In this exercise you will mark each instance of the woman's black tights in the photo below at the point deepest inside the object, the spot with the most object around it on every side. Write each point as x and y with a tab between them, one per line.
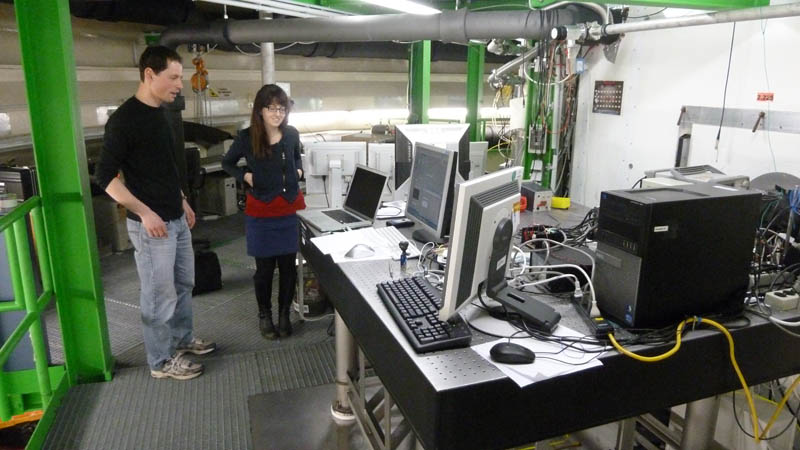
262	279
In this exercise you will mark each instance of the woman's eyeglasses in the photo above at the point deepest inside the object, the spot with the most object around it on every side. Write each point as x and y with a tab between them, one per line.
276	109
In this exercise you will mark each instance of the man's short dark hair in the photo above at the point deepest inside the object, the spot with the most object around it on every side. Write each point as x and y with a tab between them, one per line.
156	58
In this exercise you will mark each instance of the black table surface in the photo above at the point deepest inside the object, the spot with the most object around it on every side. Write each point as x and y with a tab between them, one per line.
454	399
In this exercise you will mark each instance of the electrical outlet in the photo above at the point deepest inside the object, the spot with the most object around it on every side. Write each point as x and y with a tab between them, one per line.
782	300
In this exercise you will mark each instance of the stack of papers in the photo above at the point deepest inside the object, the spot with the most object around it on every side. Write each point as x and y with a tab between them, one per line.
552	359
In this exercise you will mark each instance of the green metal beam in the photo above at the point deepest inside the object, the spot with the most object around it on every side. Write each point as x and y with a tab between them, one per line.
45	34
419	80
530	94
476	55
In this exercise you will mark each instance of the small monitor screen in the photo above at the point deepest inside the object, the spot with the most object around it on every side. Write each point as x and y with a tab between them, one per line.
430	176
365	191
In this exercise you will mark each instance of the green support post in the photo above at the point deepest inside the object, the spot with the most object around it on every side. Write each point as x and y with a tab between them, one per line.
45	35
530	94
476	55
419	79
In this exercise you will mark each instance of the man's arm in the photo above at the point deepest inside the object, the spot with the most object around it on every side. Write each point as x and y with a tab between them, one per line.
151	221
189	212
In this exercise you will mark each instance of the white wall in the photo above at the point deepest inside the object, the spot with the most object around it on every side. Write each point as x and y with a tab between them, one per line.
666	69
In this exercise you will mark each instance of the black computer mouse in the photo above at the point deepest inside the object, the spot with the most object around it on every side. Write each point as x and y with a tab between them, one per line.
510	353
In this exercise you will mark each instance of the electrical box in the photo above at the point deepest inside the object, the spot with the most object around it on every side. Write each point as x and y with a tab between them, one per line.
218	195
539	198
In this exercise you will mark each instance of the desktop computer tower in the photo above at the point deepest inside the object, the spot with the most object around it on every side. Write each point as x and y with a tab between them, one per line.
218	195
668	253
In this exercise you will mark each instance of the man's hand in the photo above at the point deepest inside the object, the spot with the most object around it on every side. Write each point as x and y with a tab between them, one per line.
187	210
248	178
153	224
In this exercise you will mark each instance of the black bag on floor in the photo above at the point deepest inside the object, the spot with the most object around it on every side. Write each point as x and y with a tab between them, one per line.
207	271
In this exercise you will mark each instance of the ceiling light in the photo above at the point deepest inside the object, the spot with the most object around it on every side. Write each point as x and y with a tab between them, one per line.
405	6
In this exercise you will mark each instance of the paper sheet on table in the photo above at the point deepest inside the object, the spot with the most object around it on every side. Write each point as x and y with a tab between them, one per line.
337	244
542	367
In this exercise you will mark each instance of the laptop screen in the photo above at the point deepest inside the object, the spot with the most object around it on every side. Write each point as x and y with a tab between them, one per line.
365	192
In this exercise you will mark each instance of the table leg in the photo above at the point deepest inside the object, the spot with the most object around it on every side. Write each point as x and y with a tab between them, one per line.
300	291
700	423
345	355
625	434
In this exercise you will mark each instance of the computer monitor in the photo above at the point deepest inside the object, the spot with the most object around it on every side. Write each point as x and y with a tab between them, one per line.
381	157
453	137
320	154
480	205
478	152
430	192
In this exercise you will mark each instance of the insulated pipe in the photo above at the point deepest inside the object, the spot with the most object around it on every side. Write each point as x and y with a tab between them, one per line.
595	31
448	26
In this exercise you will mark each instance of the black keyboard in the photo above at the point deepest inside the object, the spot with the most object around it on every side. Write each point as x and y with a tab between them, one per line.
341	216
414	305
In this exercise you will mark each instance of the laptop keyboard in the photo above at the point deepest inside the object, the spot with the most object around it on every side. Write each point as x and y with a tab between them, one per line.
342	216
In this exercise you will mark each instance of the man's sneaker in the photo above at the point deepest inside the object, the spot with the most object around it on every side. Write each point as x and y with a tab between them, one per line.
197	346
187	363
173	368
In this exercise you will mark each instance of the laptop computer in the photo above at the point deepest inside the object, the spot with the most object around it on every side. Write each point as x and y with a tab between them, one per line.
360	205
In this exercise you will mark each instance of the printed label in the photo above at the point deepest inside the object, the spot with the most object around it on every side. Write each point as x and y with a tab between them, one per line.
661	229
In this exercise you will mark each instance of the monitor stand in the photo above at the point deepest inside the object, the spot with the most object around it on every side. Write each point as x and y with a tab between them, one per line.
426	236
542	316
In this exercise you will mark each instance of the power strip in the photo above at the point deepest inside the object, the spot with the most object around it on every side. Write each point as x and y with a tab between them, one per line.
766	279
783	300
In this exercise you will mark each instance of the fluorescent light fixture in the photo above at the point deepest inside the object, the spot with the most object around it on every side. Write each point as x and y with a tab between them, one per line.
405	6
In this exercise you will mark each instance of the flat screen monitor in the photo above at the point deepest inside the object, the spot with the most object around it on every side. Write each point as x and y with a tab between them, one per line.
381	157
453	137
430	192
479	206
320	154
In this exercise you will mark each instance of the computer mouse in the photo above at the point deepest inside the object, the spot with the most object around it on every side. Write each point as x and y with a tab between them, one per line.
510	353
360	251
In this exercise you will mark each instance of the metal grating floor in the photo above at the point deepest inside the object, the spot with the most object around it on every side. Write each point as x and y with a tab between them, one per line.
135	411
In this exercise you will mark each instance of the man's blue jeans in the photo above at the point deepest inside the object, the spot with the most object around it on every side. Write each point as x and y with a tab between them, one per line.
166	273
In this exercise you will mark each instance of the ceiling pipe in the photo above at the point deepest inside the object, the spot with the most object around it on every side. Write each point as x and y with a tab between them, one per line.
596	31
449	26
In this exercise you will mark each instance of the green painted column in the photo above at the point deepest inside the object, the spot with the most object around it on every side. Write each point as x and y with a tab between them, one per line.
530	109
476	55
419	80
45	34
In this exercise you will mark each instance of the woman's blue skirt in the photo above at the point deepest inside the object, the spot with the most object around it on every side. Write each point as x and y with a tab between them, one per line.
272	236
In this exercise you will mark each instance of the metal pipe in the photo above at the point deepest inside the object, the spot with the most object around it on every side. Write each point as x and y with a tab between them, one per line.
267	56
594	31
496	75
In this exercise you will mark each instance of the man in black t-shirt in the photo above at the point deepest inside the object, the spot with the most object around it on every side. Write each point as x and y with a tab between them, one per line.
139	142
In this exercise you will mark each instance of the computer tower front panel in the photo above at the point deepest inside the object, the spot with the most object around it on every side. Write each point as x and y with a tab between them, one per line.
616	282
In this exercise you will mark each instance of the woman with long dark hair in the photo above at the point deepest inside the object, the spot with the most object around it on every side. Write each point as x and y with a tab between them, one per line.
271	149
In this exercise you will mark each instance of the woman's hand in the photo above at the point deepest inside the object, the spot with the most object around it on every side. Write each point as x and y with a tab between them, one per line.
248	178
